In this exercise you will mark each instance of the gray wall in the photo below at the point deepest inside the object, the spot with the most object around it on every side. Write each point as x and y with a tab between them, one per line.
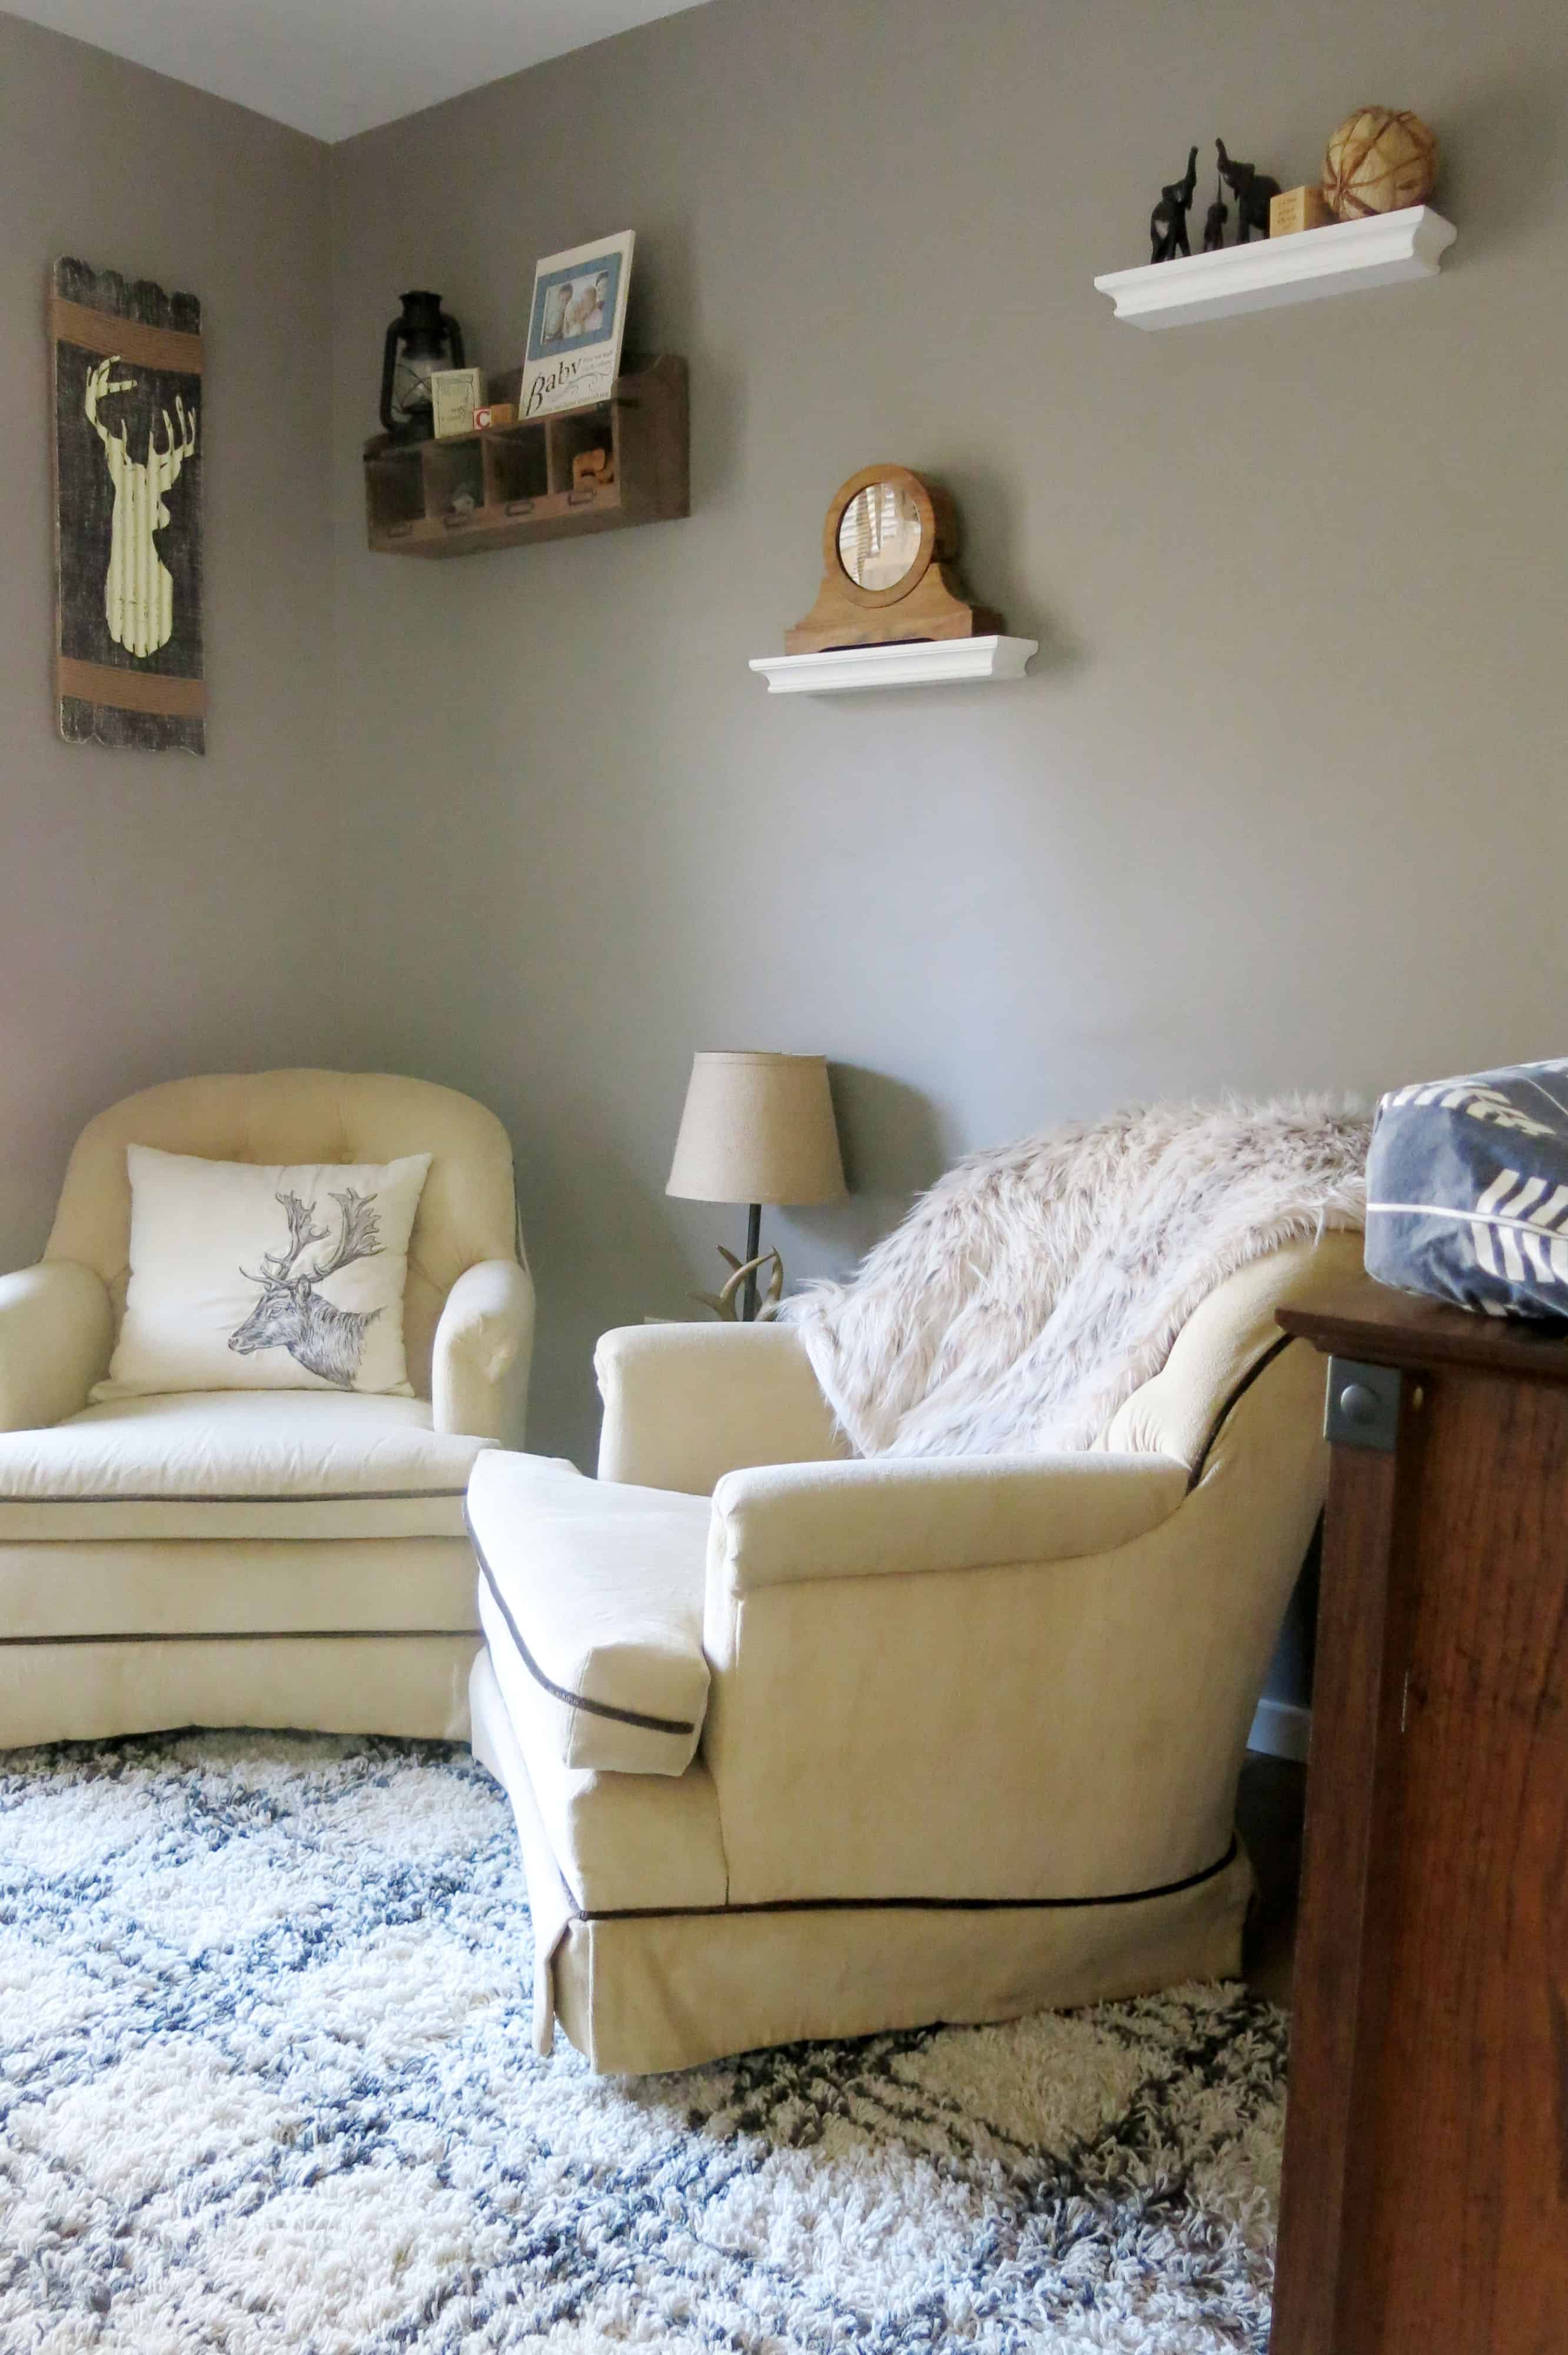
161	914
1283	804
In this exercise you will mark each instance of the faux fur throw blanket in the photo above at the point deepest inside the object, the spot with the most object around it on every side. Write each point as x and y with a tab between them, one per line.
1035	1287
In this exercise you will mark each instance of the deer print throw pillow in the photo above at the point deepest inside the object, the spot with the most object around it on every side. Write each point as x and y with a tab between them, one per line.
251	1278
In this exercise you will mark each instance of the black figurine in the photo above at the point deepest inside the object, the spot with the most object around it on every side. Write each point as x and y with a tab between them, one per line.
1167	221
1215	221
1253	190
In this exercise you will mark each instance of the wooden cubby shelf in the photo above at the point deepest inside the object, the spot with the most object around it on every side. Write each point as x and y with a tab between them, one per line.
519	477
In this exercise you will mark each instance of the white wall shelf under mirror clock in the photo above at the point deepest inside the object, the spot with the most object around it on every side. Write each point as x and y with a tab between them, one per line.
933	662
1346	258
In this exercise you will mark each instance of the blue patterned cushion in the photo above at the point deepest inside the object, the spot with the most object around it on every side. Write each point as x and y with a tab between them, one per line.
1467	1191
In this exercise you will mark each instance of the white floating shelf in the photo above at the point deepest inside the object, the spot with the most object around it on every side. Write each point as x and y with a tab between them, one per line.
1342	259
929	663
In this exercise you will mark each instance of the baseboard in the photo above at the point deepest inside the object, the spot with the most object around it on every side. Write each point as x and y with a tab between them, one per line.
1281	1729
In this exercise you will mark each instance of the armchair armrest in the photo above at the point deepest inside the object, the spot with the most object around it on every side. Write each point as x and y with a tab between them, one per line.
483	1347
797	1521
685	1403
56	1329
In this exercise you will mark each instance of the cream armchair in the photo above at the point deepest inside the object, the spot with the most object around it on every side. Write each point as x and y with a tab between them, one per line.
255	1558
805	1747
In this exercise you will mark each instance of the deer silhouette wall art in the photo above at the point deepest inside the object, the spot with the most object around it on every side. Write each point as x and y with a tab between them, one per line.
138	589
292	1313
129	366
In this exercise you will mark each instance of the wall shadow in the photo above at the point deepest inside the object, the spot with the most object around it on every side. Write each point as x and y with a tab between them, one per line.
991	568
1502	148
890	1134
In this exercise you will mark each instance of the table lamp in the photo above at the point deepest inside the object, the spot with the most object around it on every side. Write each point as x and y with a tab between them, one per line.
756	1128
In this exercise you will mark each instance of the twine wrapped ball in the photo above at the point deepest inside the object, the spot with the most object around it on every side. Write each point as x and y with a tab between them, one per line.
1378	161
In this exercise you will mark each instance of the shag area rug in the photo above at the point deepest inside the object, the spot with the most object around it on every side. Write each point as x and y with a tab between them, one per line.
266	2082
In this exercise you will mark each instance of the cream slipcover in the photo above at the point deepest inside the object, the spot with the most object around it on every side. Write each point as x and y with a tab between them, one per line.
973	1728
252	1556
597	1590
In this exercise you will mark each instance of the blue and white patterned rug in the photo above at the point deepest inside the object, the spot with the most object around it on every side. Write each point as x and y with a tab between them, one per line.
266	2083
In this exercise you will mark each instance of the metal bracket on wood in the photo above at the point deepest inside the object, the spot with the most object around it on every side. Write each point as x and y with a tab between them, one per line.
1362	1408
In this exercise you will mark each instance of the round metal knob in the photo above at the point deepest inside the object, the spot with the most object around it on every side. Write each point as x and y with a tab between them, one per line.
1358	1404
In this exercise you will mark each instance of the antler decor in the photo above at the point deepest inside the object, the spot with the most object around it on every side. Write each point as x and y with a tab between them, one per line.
276	1266
293	1313
723	1304
179	444
360	1236
139	588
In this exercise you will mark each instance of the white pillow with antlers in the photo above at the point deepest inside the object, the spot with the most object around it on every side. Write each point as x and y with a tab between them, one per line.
244	1277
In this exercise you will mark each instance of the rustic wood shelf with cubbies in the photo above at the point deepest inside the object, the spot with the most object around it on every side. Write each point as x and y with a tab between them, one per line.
512	483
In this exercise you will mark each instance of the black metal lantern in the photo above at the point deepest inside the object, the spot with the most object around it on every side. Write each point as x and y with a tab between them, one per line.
424	339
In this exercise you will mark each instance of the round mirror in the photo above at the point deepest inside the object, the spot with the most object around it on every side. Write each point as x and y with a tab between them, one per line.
879	536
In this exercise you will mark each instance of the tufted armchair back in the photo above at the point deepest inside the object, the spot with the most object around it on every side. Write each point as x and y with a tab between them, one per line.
466	1213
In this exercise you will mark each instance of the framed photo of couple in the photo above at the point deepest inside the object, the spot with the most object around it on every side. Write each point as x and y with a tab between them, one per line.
575	326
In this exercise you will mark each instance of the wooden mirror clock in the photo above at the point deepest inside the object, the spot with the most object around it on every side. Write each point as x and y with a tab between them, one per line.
890	545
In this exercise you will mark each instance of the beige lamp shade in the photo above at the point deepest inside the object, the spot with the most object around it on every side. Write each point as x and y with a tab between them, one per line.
757	1128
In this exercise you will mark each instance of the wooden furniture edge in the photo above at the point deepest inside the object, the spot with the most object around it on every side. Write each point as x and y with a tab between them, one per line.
1373	1592
1354	1713
1362	1318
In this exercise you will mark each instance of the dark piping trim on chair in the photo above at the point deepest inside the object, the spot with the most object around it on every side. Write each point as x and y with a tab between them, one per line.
560	1692
304	1496
1238	1392
255	1635
921	1905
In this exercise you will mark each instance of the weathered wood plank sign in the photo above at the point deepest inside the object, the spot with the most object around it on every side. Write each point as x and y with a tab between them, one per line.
128	378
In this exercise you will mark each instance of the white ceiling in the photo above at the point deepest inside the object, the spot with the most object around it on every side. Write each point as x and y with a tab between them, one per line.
335	67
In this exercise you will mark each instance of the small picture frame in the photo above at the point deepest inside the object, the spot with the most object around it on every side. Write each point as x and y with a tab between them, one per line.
576	322
455	394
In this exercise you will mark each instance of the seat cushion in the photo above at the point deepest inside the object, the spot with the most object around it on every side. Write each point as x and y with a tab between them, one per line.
595	1590
236	1464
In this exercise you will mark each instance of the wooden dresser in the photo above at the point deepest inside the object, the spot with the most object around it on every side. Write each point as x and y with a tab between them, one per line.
1425	2207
